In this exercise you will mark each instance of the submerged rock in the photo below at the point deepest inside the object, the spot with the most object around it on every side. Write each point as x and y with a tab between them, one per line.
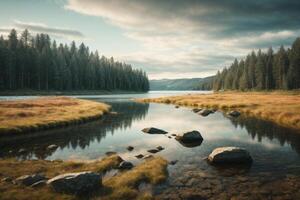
28	180
153	130
229	155
125	165
173	162
205	112
195	110
234	113
176	106
110	153
139	156
153	150
189	139
76	183
130	148
160	148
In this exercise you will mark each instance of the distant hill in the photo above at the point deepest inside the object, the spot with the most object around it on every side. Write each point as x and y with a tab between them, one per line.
181	84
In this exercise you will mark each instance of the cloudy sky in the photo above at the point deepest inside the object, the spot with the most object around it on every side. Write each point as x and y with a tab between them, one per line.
166	38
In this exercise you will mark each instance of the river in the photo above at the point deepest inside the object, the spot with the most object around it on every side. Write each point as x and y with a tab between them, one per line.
274	149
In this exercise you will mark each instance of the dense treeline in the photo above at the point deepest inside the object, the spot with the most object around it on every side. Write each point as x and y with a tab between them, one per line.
38	63
263	71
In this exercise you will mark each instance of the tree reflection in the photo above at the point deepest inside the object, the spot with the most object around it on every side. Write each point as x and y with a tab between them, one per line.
259	129
75	136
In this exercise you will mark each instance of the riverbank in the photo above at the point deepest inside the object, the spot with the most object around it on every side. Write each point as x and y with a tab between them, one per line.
29	115
124	185
61	93
282	108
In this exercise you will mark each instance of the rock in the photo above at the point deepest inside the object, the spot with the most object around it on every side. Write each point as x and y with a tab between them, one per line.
189	139
234	113
39	184
22	151
189	136
7	179
130	148
148	156
169	137
160	148
195	110
125	165
229	155
52	147
205	112
28	180
76	183
173	162
153	150
173	134
153	130
139	156
109	153
176	106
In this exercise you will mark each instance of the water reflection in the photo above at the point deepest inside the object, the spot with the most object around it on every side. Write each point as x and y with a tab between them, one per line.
78	136
260	129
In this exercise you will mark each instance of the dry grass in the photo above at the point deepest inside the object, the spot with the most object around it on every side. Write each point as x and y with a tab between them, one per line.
13	168
42	113
123	186
280	107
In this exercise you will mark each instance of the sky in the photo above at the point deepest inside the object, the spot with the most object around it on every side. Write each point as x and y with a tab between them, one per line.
166	38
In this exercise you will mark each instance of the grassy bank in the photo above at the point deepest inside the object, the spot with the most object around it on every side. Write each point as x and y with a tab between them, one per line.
43	113
280	107
122	186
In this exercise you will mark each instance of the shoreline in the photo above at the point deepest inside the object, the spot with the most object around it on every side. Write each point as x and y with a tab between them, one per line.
31	115
282	108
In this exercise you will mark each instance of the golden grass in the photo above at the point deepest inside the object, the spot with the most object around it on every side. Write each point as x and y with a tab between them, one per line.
13	168
123	186
42	113
280	107
153	171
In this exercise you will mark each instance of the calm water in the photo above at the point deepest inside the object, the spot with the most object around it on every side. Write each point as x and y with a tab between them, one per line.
274	149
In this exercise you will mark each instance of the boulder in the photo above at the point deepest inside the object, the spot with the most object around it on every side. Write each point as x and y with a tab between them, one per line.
190	139
28	180
234	113
52	147
153	150
205	112
130	148
153	130
227	155
76	183
125	165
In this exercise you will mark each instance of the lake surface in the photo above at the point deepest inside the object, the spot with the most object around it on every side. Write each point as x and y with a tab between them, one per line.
274	149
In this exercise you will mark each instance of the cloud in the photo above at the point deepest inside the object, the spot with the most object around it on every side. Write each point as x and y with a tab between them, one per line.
194	36
55	31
